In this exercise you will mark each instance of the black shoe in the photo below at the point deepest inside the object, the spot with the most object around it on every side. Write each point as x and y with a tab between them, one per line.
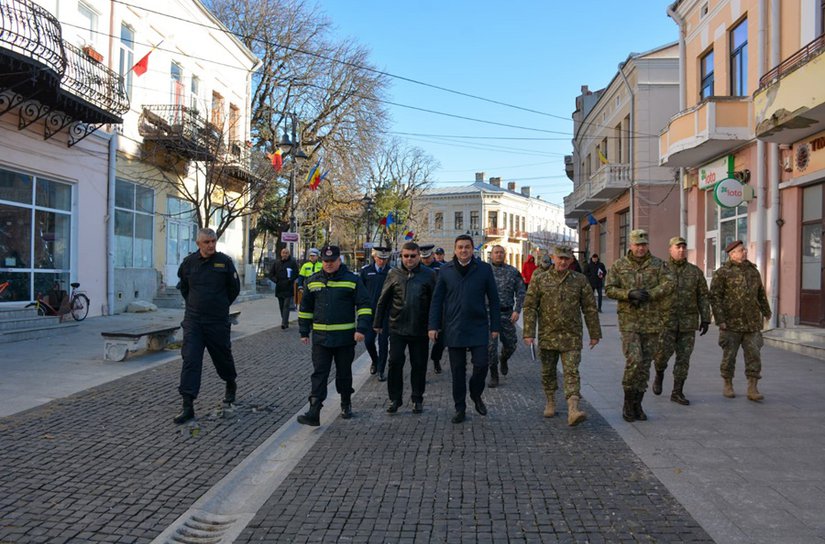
346	411
437	366
283	327
459	416
373	368
188	411
418	407
504	368
311	417
628	414
393	406
657	383
381	377
481	408
229	395
637	407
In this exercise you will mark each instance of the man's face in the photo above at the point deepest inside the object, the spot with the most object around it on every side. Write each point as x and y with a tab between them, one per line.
439	257
464	250
410	258
562	263
313	257
284	254
331	266
738	254
207	245
497	255
428	260
379	262
639	250
594	258
678	252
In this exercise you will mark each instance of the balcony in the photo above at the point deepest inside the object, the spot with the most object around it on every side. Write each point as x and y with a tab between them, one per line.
518	234
609	182
711	128
493	232
790	100
89	91
180	130
238	163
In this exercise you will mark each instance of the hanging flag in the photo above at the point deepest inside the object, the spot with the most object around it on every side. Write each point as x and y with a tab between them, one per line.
408	234
591	220
313	176
390	219
383	222
277	159
603	157
142	65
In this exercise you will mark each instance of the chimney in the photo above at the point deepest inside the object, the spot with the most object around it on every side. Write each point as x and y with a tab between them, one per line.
511	185
479	176
495	181
526	191
586	89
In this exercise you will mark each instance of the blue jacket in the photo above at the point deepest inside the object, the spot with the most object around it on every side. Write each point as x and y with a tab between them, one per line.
334	306
374	281
459	305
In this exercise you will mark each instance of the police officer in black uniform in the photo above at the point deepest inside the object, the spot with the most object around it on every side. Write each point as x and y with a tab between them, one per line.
336	308
428	259
373	275
209	284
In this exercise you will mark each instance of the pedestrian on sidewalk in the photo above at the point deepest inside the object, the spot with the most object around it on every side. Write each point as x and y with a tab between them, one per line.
209	284
527	269
511	290
556	301
429	259
405	305
439	255
336	309
465	311
740	305
641	284
373	275
284	273
595	272
311	266
689	305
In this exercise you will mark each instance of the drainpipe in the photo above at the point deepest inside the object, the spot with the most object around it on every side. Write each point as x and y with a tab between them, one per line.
773	181
110	226
631	145
761	169
680	22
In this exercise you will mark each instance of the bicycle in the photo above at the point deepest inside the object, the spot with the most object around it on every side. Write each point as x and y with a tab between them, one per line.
78	303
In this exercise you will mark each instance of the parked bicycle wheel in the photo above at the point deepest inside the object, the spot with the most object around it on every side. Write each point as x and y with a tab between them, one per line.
80	307
41	311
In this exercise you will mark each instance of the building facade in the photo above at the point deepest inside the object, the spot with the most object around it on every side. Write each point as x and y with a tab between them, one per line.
617	182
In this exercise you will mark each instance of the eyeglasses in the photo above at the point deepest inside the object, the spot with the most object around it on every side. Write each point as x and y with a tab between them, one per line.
405	256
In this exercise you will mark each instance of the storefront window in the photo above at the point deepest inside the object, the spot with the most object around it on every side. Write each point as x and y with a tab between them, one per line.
812	238
733	225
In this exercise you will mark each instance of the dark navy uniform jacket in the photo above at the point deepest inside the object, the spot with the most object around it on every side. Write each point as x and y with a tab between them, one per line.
334	307
208	285
374	279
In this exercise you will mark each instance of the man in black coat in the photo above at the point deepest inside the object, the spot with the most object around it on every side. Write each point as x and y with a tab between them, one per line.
465	289
284	273
595	272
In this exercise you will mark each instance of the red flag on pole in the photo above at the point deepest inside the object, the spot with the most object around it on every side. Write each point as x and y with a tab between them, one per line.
142	65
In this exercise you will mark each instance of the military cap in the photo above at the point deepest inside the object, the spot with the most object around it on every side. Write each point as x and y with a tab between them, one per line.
546	260
638	236
563	251
382	252
426	250
733	245
314	251
330	253
439	251
677	241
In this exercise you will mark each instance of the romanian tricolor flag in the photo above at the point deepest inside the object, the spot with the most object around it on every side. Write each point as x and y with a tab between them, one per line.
314	176
277	160
603	157
408	234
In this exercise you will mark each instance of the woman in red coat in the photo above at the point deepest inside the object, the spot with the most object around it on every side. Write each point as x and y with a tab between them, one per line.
527	269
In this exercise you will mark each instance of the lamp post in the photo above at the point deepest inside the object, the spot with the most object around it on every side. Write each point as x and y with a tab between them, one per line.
367	200
292	147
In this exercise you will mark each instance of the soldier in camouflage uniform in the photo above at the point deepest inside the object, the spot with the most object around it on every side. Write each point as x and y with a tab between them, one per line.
689	309
739	306
510	287
641	284
556	300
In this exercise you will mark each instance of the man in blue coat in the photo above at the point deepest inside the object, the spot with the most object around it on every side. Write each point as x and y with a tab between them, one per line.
374	275
465	289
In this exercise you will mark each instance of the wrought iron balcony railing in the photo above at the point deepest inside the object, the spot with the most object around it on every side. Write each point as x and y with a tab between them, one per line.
92	92
240	162
30	32
810	51
180	129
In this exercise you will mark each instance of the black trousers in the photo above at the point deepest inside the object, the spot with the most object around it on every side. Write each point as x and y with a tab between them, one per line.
284	304
458	368
598	290
438	349
214	336
418	346
378	357
322	358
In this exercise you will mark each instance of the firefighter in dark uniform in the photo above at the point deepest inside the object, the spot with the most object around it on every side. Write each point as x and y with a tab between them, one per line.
428	259
336	308
209	284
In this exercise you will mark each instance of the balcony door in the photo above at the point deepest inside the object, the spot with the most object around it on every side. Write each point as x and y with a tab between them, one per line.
812	294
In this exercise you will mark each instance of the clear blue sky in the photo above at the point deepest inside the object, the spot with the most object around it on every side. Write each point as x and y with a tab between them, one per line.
532	54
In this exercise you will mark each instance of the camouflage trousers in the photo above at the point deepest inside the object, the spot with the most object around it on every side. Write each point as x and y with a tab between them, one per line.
639	348
570	369
680	342
508	339
751	343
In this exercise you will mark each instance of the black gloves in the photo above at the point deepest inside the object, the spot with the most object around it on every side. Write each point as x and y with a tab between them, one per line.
637	296
703	328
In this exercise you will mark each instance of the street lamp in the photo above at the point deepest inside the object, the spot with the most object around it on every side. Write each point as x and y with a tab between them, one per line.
367	200
292	147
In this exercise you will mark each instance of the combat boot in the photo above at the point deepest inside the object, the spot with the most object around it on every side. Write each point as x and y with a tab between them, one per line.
188	411
574	415
504	368
637	406
312	416
753	392
657	382
346	410
727	390
493	376
628	414
677	395
231	390
550	407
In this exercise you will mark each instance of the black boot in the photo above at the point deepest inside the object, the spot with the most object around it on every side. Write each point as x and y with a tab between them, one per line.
188	411
657	383
504	368
231	389
493	376
312	416
637	406
437	366
346	409
678	396
628	414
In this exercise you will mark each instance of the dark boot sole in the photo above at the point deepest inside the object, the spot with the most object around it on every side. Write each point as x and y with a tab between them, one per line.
307	421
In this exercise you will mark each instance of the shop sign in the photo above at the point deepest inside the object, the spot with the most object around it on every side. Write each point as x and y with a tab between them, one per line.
288	237
729	193
714	171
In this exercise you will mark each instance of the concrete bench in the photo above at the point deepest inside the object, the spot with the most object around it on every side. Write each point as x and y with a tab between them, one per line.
117	344
233	316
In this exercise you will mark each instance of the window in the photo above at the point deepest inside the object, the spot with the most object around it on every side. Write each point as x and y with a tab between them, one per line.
195	93
602	236
812	238
459	220
624	225
707	76
234	122
733	225
523	224
127	57
176	76
619	156
217	109
474	220
88	23
134	213
439	220
492	220
739	59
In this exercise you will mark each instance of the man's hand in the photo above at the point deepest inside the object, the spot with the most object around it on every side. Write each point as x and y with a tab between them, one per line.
305	340
358	337
494	335
378	331
703	328
514	317
638	295
528	341
593	342
433	335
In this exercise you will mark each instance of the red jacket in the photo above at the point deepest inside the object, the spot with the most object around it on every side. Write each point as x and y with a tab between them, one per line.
528	268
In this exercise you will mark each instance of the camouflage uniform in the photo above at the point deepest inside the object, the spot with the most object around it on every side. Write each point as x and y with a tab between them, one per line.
511	290
555	302
689	305
640	325
732	291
